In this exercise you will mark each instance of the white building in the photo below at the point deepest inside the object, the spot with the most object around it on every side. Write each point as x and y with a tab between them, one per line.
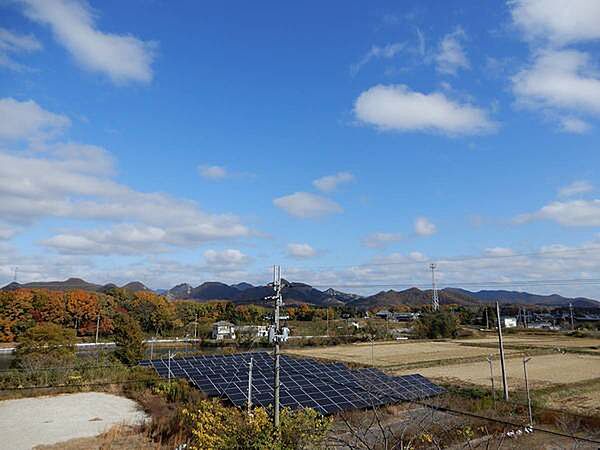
223	330
259	331
510	322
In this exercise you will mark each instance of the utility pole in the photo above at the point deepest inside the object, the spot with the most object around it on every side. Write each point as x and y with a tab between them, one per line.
171	356
501	344
97	326
490	362
571	313
277	337
250	386
435	303
373	351
525	361
16	272
328	321
487	319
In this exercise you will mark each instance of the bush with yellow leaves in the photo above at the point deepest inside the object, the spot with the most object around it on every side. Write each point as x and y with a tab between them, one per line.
210	425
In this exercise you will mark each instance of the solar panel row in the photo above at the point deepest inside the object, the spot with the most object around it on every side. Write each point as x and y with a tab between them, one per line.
326	387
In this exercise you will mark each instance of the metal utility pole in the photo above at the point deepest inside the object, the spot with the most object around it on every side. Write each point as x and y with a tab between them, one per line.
501	345
490	362
328	321
276	339
571	313
373	351
487	319
250	386
435	302
525	361
97	327
171	356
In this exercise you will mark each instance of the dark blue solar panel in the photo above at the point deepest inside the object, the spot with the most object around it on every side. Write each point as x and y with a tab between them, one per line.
327	387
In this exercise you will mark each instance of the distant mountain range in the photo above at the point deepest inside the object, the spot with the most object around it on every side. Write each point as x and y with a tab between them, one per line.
73	284
298	293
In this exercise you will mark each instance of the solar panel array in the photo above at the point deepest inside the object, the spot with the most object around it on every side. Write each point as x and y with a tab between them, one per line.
326	387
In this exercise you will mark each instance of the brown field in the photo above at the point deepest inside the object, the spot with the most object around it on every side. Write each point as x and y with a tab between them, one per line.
388	355
565	371
543	371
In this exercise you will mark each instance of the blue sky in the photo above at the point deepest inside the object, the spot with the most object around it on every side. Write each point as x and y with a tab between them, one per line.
352	143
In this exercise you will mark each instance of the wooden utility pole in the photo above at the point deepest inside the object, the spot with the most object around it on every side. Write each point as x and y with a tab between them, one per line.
501	345
525	361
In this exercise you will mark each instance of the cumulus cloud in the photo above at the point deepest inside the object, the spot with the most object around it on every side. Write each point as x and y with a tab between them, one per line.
575	188
225	258
12	44
499	251
423	227
397	108
376	52
123	58
574	125
26	120
451	56
212	172
75	181
557	22
306	205
331	182
562	79
301	251
574	213
378	240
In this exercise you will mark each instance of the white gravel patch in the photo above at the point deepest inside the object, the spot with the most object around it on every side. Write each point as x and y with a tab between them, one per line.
27	422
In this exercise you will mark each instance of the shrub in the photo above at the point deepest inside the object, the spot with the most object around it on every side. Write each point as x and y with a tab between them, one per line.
46	345
128	338
211	425
437	325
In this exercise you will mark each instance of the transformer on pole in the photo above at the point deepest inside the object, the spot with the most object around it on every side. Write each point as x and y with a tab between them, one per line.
435	302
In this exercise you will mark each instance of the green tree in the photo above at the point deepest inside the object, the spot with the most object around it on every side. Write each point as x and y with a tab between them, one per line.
129	339
437	325
46	345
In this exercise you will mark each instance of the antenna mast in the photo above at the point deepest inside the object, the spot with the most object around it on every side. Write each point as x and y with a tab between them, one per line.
276	336
435	303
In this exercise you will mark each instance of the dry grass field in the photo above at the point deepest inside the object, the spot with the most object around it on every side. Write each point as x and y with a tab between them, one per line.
388	355
543	371
564	370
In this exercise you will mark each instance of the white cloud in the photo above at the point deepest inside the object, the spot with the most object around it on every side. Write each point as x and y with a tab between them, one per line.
331	182
499	251
377	240
556	21
213	172
574	213
123	58
13	43
451	56
225	258
423	227
7	232
75	181
560	79
301	251
386	52
122	239
27	120
574	125
575	188
306	205
398	108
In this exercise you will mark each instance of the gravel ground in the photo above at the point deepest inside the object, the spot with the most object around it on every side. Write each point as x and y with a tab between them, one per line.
27	422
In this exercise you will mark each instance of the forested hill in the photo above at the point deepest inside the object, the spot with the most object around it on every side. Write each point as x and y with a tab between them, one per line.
299	293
